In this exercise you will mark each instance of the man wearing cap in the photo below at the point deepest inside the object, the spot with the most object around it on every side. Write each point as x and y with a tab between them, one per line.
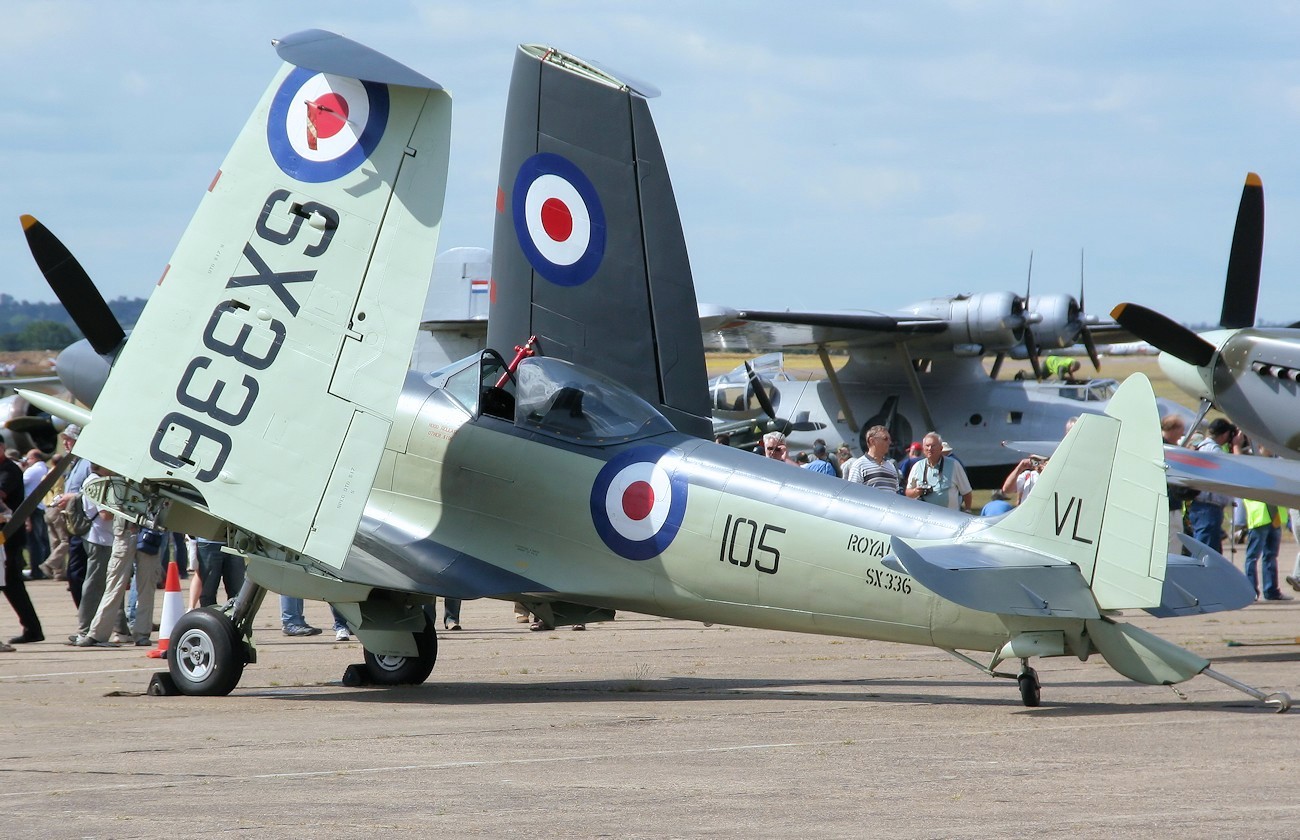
821	461
915	453
1205	513
939	479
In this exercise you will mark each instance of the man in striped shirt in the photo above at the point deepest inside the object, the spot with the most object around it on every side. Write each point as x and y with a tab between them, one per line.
875	469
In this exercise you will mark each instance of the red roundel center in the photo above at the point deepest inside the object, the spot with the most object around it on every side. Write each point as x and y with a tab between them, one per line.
557	220
638	500
328	114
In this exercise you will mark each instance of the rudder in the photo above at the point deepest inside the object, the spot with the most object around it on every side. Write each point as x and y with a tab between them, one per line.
1101	502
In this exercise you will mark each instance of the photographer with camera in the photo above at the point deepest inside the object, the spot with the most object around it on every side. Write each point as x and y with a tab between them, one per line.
937	479
1022	478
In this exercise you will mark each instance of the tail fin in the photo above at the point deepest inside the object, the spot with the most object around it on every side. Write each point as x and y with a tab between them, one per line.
265	369
1101	502
588	253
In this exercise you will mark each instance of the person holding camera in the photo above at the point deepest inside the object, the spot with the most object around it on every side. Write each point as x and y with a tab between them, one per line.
1022	478
938	479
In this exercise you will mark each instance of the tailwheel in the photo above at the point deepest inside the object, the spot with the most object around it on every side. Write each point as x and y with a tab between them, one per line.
405	670
205	658
1029	686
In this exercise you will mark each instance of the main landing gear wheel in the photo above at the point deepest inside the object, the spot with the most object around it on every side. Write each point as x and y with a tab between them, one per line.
405	670
206	658
1029	687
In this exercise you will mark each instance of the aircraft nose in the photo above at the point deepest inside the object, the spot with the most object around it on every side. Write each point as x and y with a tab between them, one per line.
83	371
1190	379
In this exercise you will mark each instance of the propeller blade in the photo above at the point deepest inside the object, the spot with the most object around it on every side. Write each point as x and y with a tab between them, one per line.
760	392
997	365
1164	333
19	517
1086	335
73	287
1031	345
1241	289
1031	348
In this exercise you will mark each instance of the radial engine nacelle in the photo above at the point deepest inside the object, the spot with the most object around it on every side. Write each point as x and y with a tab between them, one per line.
992	321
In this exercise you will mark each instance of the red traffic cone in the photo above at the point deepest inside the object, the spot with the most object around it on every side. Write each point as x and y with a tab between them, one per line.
173	609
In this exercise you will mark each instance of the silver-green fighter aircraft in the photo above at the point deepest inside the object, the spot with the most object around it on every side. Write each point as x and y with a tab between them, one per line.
263	399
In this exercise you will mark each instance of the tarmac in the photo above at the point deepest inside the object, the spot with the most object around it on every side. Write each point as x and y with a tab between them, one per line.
648	727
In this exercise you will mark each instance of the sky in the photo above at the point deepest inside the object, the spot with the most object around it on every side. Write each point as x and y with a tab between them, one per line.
832	155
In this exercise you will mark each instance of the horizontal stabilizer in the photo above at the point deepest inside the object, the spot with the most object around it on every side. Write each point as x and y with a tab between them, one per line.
1203	583
997	578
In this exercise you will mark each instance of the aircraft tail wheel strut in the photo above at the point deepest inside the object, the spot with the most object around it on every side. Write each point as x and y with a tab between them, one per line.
1278	698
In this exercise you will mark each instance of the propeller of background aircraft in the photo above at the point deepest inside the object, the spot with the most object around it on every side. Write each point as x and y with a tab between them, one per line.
1249	373
74	288
1085	334
1240	290
1031	345
83	365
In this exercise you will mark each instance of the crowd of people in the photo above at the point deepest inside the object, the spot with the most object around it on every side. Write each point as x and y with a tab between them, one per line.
929	472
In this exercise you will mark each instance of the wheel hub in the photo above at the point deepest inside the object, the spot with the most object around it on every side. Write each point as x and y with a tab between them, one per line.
195	654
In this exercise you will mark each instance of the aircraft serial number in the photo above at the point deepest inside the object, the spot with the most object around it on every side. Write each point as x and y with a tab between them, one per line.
889	581
746	543
229	336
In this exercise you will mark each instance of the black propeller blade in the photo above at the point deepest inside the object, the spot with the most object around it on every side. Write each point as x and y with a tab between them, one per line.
1164	333
760	392
1241	290
73	287
1031	345
1084	333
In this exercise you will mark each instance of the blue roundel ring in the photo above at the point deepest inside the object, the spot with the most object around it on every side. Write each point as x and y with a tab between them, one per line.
584	268
316	172
670	511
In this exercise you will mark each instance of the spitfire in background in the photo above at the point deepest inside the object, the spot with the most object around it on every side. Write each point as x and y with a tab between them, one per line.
1249	373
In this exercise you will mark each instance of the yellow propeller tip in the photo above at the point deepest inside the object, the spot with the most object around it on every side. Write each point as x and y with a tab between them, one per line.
1117	311
1252	180
27	220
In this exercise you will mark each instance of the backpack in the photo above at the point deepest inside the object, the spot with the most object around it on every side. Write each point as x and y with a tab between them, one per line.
74	516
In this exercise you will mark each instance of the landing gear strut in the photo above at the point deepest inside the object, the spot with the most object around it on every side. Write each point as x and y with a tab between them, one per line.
1027	679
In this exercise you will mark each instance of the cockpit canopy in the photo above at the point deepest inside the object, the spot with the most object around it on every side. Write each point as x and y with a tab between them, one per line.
551	396
561	399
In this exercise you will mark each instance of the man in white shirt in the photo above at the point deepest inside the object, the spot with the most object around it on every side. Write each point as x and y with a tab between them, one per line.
939	479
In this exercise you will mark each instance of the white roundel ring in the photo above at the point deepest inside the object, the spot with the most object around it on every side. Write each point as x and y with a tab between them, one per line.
558	219
322	126
637	505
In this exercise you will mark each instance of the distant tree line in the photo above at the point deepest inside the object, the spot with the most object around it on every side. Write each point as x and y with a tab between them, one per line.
28	325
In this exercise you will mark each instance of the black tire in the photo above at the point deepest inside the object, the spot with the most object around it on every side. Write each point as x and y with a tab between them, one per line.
1029	687
204	657
406	670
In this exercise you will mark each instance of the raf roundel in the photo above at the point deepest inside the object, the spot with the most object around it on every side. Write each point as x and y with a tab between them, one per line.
558	219
636	505
322	126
